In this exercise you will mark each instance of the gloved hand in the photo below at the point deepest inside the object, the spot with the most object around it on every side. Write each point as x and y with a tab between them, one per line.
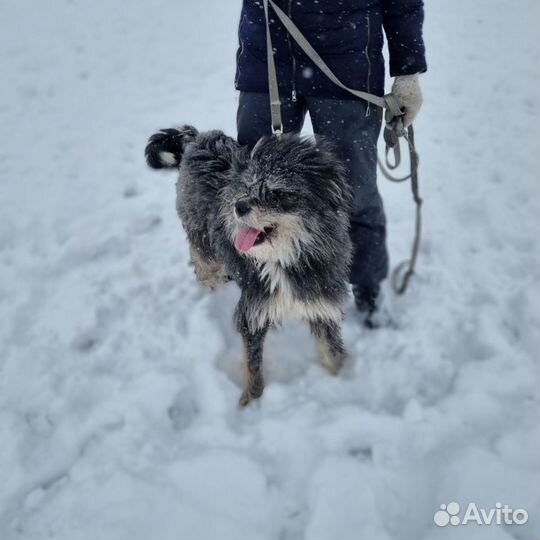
407	88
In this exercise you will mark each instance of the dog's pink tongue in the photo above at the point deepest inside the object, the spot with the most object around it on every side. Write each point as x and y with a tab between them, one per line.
245	238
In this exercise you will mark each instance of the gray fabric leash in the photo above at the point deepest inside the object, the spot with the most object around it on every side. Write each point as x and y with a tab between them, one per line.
275	103
392	132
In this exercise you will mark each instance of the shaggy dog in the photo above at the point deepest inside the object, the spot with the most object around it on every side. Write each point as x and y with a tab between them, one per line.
275	219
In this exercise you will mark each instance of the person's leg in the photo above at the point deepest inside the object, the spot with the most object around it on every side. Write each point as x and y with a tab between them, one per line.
254	119
355	134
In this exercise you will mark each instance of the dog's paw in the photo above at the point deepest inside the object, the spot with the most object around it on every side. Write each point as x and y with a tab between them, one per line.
253	391
244	399
166	147
247	397
332	363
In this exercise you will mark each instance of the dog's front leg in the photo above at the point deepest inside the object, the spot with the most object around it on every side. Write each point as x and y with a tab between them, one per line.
209	272
253	356
329	344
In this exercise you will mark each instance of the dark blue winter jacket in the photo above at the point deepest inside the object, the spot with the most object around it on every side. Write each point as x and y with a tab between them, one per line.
348	34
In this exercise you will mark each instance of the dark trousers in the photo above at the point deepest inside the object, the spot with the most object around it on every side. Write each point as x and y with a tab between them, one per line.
355	134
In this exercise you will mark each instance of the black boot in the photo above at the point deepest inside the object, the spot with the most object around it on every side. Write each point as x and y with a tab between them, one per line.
366	300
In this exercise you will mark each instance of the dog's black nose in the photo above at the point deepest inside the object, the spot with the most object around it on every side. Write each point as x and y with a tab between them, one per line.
242	208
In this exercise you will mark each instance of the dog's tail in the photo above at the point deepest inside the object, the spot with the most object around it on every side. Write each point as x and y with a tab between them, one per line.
166	147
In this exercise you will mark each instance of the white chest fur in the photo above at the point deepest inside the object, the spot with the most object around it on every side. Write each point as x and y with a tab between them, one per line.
283	303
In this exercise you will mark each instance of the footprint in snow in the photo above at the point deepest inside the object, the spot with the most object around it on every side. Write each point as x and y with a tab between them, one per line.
145	225
86	341
131	191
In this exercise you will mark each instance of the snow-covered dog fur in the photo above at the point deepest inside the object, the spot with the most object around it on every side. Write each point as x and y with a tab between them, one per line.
275	219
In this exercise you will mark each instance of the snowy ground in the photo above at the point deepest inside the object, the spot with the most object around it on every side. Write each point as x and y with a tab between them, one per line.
119	375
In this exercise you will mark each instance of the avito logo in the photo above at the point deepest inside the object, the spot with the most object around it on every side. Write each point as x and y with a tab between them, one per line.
449	514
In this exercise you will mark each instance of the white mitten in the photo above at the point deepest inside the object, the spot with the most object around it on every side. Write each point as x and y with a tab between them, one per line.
407	88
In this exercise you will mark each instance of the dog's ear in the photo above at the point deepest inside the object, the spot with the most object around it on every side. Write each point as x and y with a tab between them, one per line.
329	173
166	147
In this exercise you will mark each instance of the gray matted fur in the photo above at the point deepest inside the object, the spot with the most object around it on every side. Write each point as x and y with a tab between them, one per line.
276	220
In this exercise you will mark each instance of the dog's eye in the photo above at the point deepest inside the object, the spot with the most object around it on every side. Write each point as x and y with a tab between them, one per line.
284	200
273	196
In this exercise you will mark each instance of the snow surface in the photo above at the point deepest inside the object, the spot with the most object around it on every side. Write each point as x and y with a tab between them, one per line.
119	375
